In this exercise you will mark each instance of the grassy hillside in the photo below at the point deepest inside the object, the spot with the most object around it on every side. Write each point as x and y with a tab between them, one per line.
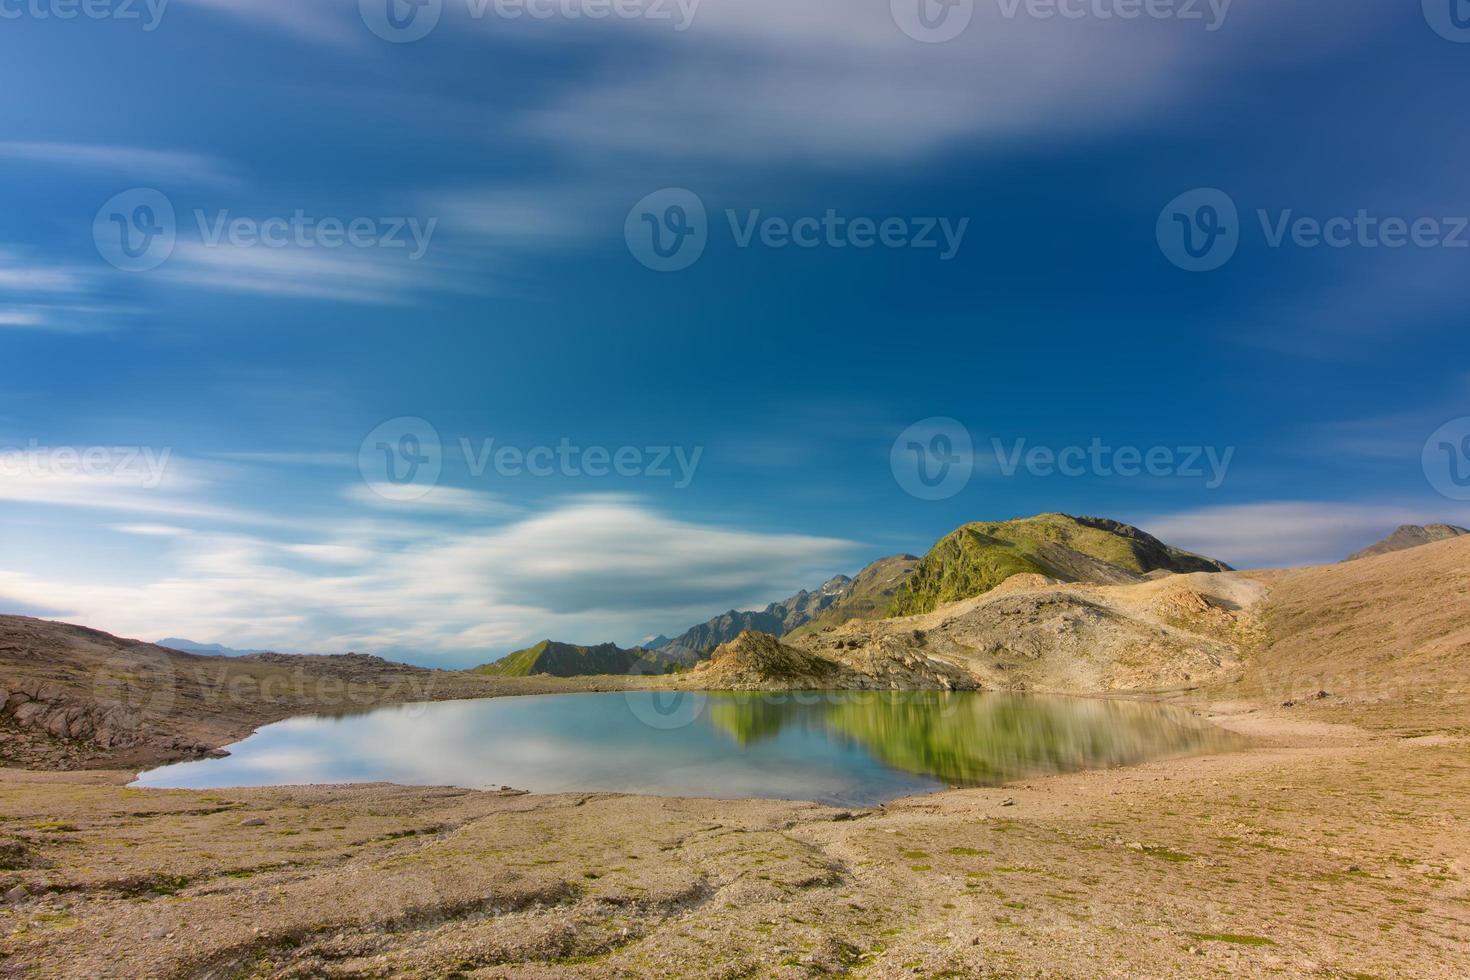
977	557
571	660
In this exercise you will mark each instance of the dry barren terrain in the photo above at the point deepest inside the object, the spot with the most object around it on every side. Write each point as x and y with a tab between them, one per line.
1335	845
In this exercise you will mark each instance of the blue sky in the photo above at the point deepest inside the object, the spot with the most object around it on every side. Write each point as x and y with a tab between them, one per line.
253	373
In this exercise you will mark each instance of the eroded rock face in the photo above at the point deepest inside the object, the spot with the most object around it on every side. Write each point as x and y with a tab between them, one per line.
756	661
1036	635
46	707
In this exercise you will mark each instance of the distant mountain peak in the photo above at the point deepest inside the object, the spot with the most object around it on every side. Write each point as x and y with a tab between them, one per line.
205	649
1410	536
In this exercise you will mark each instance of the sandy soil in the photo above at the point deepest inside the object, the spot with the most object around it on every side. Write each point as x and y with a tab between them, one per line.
1335	845
1320	851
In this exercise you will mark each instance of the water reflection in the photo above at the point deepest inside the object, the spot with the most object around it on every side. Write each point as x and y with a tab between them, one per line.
841	747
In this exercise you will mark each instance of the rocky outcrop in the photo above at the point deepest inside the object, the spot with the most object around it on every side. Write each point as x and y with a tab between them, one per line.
1037	635
47	707
760	662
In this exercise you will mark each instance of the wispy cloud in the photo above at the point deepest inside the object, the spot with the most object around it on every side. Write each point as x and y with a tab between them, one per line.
436	500
354	276
585	570
1283	533
169	165
327	21
42	295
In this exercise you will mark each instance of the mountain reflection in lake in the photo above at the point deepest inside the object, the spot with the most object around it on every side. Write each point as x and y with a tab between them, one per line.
851	748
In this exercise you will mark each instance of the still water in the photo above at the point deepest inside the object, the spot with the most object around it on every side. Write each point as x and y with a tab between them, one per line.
845	748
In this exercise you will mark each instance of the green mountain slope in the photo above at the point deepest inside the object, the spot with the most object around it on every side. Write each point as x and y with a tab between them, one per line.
977	557
571	660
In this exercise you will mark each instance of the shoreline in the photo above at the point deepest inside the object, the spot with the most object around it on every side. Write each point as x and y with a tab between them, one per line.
590	883
223	751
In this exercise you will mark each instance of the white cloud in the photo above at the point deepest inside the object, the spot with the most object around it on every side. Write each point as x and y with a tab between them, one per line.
39	295
1283	533
589	569
435	500
150	530
330	21
355	276
127	160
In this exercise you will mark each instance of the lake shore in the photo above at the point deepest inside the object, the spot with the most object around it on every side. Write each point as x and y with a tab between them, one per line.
1321	850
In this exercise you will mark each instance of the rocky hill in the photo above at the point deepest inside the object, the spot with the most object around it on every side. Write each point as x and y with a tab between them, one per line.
72	697
1033	633
1410	536
756	661
977	557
